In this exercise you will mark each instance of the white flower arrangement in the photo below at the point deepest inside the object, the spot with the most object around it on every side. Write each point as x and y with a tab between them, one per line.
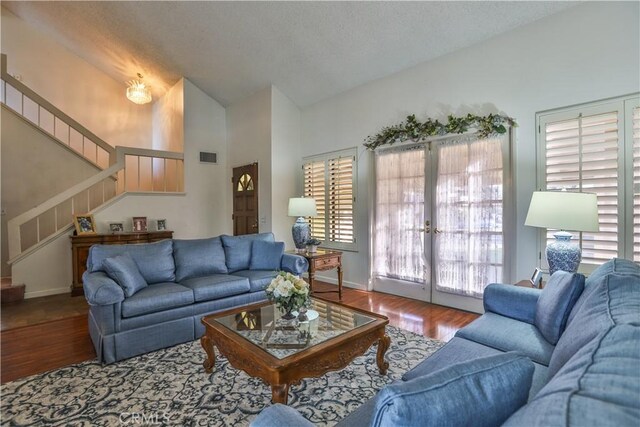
288	291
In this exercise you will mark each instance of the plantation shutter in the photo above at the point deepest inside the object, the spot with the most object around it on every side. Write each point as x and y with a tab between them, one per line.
330	180
314	186
636	184
581	154
340	200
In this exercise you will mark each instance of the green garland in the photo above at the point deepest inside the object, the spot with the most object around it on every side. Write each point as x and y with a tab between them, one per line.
412	129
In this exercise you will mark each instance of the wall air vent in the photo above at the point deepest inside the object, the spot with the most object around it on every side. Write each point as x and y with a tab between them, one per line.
208	157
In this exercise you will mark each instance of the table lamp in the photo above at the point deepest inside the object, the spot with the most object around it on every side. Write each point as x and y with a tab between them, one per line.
301	207
563	210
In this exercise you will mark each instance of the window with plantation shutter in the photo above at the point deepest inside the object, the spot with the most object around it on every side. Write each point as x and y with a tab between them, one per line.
330	180
582	149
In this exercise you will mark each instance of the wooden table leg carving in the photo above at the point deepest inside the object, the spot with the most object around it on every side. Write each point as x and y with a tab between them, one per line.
383	345
340	282
210	361
280	393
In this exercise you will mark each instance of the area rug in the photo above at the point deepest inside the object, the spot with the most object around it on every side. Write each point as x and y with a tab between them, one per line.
170	387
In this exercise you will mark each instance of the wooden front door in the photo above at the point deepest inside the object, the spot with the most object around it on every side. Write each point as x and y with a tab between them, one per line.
245	199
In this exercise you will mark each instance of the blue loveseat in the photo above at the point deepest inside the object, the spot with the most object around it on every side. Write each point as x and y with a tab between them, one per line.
567	356
150	296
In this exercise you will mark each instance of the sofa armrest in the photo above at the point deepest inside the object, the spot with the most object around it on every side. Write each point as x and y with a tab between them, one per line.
100	289
279	415
295	264
511	301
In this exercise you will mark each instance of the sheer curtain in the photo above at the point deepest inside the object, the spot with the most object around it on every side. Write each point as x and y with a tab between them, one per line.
400	189
468	205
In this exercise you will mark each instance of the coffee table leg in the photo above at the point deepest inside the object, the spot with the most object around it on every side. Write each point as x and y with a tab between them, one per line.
280	393
383	345
210	361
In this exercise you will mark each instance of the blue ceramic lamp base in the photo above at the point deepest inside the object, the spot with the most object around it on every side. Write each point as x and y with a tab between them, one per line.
562	254
301	233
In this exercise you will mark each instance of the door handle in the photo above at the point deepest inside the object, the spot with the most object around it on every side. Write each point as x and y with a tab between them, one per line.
427	228
436	231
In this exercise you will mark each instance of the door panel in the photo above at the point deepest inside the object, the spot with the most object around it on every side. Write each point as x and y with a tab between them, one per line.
245	199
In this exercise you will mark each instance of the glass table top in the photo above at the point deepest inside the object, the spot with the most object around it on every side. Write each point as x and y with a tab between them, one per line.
282	338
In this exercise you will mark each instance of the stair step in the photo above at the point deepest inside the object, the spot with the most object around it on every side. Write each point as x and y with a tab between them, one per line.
6	281
11	293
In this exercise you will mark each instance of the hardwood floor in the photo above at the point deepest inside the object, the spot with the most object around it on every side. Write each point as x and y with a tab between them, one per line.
51	332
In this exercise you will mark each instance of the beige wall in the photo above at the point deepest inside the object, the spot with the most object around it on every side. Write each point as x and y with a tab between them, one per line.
34	168
168	120
73	85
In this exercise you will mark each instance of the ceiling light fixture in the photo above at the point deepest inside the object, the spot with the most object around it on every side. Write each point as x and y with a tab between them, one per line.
138	92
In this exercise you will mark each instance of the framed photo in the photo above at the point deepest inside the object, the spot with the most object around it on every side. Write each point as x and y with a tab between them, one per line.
116	227
84	224
161	224
536	278
139	223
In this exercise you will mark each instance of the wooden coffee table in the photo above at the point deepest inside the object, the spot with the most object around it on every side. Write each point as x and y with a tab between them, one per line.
256	340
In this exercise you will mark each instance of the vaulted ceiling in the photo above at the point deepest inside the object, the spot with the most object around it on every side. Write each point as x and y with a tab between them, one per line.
309	50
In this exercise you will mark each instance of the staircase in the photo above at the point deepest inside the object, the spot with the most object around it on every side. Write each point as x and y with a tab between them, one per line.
121	171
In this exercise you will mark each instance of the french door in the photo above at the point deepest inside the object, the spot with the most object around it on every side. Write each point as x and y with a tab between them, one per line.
439	229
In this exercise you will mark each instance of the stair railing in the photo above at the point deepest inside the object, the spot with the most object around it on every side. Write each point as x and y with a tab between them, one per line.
52	121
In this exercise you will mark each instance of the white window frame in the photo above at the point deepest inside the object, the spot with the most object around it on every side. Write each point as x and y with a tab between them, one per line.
624	105
326	157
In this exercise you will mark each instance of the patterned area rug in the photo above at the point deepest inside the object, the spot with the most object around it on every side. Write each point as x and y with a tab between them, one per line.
170	387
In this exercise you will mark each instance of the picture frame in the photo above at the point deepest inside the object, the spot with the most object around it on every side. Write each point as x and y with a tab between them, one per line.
536	278
116	227
161	224
84	224
139	223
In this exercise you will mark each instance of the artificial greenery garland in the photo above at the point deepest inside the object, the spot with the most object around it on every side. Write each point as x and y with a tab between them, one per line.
412	129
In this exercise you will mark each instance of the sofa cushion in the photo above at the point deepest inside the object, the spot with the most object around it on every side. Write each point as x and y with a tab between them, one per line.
555	303
216	286
158	297
493	387
266	255
124	271
154	260
615	300
598	386
614	265
198	257
258	279
506	334
237	249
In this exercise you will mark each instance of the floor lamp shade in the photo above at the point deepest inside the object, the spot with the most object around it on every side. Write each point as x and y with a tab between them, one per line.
301	207
563	210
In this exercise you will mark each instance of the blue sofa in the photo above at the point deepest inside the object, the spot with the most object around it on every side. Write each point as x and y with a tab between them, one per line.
175	283
583	363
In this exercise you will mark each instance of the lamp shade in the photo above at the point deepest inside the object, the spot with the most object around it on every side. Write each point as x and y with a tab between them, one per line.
563	210
302	206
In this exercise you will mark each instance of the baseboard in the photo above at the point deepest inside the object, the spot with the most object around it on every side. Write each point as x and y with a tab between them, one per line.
345	283
46	293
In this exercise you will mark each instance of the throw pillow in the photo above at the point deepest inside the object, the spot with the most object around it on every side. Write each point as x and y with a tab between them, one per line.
555	303
493	387
198	257
266	255
125	272
237	249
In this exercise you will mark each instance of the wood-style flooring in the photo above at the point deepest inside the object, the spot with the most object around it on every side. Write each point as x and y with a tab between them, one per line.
47	333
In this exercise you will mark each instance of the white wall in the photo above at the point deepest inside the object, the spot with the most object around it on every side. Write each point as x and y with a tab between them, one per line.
285	157
202	211
586	53
249	141
76	87
168	120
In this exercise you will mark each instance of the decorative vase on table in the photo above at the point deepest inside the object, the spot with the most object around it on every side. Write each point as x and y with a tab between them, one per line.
301	207
562	254
289	292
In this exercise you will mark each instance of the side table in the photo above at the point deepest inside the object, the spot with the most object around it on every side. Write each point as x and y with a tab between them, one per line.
321	260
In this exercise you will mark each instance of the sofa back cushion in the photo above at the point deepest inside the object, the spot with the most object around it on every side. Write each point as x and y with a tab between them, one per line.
237	249
598	386
493	387
154	260
125	272
614	300
199	257
266	255
555	303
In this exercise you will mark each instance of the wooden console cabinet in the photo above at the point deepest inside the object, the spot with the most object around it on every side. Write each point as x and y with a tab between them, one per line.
80	249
